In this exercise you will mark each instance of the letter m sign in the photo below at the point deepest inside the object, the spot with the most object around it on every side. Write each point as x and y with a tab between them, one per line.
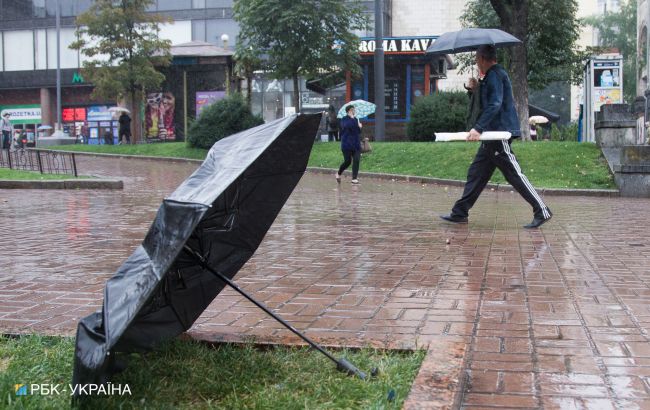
77	78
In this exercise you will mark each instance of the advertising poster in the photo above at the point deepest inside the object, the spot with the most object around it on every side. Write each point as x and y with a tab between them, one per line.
606	96
159	116
205	98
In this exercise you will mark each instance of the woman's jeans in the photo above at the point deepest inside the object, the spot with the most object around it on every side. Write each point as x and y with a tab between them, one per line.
350	157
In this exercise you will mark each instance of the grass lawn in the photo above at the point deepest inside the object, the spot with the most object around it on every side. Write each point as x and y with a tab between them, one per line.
161	149
547	164
191	375
13	174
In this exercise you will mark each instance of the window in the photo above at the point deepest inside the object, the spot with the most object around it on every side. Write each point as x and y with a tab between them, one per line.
69	58
18	50
16	9
215	28
218	3
174	4
198	30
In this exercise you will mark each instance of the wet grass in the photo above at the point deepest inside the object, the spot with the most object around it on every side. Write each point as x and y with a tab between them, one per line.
162	149
547	164
192	375
12	174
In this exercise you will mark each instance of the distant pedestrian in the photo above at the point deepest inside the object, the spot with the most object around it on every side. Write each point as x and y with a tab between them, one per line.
332	124
85	133
350	144
125	128
108	136
6	131
498	113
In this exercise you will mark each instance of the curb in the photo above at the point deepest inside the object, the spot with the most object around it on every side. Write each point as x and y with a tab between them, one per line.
457	183
62	184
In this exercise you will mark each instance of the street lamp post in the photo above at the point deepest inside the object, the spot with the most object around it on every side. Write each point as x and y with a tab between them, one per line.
380	99
58	68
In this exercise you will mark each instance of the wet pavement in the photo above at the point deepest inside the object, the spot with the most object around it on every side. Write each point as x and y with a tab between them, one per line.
550	318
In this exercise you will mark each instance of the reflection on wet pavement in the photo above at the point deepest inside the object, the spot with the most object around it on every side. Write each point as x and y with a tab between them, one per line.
554	318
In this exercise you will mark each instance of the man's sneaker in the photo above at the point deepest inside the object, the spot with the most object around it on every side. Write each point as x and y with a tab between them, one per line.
539	220
455	219
355	181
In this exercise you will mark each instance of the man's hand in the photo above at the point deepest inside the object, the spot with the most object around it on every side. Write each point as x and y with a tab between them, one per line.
473	135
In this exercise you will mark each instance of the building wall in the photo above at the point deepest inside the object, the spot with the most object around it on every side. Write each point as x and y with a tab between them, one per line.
430	17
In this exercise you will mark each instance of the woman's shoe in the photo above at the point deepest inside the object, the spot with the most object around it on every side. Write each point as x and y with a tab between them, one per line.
355	181
338	178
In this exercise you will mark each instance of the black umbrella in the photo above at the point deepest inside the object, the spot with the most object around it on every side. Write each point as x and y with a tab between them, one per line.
469	39
203	233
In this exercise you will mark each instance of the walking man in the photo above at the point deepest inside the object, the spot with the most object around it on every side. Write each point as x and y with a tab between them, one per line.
125	128
497	114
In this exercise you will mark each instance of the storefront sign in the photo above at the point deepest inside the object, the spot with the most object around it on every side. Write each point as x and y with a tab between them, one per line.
99	113
402	45
22	114
77	78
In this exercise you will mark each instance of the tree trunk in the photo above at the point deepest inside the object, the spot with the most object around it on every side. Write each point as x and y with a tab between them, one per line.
296	93
514	20
249	86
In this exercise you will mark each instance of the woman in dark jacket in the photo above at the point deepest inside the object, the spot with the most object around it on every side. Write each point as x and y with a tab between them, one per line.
332	124
350	144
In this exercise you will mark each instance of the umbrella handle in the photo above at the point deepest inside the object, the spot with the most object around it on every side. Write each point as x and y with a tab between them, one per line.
341	364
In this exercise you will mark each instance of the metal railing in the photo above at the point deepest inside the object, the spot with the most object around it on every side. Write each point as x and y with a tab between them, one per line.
43	161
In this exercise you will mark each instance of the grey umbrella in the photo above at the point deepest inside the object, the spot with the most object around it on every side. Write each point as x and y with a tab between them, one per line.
469	39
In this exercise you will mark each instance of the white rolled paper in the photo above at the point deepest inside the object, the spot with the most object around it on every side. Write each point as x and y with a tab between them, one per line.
462	136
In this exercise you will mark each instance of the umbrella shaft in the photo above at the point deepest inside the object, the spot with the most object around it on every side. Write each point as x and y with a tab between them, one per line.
258	304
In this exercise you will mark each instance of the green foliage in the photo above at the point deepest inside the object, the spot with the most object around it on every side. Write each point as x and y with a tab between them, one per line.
121	40
221	119
563	133
303	38
553	31
618	30
439	112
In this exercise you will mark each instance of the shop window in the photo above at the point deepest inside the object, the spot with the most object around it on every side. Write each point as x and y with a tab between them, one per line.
198	4
417	83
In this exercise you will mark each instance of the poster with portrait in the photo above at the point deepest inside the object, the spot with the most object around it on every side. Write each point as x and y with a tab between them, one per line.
159	116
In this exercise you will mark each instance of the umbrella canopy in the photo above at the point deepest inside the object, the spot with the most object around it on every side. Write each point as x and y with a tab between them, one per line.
119	109
537	119
222	212
470	39
363	108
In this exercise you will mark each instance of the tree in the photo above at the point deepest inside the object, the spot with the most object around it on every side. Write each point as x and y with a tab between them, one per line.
303	38
121	40
548	29
247	60
618	30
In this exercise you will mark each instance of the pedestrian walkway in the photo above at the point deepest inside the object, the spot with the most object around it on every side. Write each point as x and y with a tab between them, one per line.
552	318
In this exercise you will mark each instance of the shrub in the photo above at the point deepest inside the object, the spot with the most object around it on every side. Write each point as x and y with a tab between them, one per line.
439	112
221	119
568	132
